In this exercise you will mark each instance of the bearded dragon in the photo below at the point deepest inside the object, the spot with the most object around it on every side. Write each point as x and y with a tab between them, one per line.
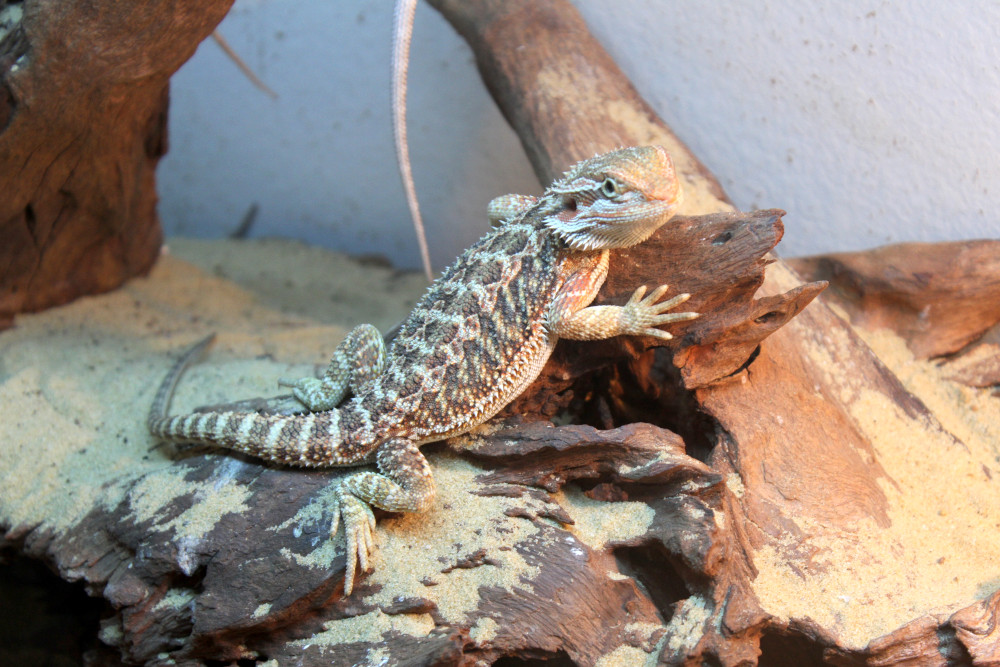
478	337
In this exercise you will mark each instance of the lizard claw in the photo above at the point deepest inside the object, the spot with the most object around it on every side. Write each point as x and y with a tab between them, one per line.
359	534
642	314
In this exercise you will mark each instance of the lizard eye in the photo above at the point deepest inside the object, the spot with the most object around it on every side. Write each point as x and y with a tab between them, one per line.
610	188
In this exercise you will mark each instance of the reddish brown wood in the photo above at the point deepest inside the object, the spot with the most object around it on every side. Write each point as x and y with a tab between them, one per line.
782	425
83	104
977	629
938	296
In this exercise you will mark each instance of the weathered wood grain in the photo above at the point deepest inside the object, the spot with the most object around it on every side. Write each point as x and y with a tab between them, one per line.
83	109
795	425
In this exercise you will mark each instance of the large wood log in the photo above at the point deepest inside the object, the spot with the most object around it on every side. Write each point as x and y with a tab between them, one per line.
939	297
794	427
83	107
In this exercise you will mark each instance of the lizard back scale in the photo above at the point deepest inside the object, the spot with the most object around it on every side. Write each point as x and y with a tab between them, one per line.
478	337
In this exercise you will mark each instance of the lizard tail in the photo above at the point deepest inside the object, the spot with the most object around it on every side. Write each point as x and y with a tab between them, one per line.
300	440
308	441
166	391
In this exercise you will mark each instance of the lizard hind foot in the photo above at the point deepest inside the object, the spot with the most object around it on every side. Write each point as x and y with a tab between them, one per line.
357	361
359	534
403	484
315	393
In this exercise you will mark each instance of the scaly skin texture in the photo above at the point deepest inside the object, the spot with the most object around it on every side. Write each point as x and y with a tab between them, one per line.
478	338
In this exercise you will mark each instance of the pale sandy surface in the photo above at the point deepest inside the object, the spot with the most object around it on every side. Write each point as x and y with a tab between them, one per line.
76	381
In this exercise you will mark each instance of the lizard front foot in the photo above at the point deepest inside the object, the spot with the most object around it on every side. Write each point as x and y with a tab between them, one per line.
640	316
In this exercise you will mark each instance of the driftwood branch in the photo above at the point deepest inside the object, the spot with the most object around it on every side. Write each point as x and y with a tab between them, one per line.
939	297
791	425
83	108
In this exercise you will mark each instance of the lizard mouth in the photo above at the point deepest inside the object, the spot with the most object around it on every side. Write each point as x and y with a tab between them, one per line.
599	232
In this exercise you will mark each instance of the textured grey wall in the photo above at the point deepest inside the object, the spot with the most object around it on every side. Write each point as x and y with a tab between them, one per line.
869	122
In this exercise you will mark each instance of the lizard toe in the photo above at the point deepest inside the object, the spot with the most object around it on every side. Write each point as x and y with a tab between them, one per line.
359	527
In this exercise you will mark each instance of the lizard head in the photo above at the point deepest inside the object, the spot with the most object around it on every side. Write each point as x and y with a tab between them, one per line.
614	200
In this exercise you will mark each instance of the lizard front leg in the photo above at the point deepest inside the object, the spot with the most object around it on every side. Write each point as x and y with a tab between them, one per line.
404	483
572	317
358	360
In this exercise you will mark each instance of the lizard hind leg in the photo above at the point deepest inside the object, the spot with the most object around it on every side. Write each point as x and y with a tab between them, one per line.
358	360
404	483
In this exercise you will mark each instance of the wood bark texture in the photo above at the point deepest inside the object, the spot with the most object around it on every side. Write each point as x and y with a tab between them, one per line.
794	426
940	297
83	106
